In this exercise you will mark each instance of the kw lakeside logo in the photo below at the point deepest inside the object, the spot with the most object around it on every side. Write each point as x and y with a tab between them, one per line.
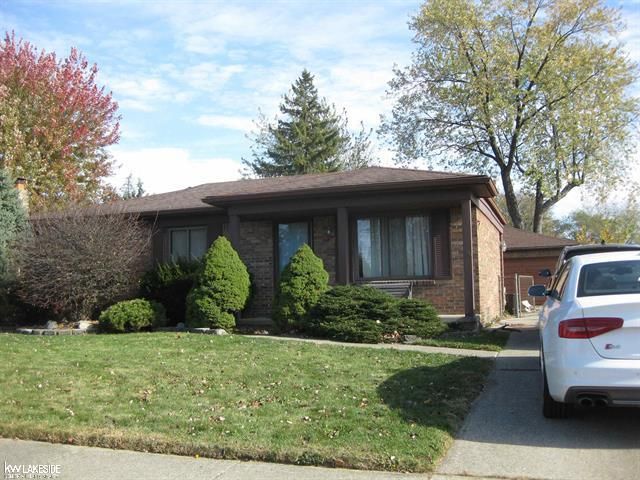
33	471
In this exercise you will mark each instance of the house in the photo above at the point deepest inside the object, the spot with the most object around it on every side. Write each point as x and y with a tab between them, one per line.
526	254
440	233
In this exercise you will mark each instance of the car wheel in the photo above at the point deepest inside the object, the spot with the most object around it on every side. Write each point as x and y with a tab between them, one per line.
551	408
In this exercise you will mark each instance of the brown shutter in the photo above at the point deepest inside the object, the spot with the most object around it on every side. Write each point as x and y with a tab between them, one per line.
440	243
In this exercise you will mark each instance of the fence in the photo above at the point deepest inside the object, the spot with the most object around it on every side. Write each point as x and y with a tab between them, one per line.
523	282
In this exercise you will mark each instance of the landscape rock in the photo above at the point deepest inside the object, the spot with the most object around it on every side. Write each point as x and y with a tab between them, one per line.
410	339
25	331
52	325
199	330
218	331
86	325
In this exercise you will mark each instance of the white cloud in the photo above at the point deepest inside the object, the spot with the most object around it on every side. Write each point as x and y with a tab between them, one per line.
244	124
203	45
168	169
208	76
141	93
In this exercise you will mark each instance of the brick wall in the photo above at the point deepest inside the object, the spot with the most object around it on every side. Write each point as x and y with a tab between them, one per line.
256	250
324	243
447	295
488	268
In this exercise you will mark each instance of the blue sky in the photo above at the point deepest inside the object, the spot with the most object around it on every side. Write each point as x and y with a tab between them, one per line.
191	76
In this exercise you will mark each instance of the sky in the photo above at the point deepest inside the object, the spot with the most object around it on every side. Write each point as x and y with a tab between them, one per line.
191	77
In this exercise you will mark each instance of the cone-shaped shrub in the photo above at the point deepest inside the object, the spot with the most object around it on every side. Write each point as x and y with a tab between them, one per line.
221	288
302	282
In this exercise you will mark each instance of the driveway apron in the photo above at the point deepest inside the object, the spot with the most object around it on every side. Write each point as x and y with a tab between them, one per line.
506	436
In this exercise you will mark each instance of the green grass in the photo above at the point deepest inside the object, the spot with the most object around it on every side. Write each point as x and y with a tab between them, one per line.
235	397
484	340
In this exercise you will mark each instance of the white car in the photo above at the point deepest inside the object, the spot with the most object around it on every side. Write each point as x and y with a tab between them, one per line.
590	333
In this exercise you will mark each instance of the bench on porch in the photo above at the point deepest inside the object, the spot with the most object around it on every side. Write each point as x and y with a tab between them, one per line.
398	289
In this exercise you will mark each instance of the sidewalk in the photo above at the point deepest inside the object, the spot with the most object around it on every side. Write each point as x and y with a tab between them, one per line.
461	352
90	463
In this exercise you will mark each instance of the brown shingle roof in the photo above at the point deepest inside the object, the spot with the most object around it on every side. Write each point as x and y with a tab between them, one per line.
516	239
356	180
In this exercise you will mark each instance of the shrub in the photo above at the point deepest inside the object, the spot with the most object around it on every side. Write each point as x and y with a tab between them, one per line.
81	259
169	284
132	316
302	282
221	288
13	223
367	315
417	317
351	314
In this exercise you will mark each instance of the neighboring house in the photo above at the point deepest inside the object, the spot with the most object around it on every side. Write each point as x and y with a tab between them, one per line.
526	254
440	233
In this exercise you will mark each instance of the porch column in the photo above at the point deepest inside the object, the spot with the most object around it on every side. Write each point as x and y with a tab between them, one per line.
342	246
234	230
467	256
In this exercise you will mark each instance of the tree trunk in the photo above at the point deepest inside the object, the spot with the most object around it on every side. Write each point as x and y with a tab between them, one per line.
511	199
539	210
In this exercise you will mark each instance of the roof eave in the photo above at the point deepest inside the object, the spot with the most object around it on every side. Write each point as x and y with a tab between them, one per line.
540	247
482	186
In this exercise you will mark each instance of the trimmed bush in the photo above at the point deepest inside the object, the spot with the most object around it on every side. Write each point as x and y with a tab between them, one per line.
367	315
169	284
302	282
351	314
221	288
417	317
132	316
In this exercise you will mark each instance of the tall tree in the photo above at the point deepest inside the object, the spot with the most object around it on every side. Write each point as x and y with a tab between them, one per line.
55	124
533	91
13	222
309	137
605	223
132	190
526	203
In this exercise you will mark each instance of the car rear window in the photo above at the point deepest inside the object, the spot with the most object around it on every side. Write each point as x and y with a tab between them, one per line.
609	278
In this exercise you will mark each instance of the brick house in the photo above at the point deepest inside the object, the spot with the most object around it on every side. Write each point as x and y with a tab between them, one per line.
440	233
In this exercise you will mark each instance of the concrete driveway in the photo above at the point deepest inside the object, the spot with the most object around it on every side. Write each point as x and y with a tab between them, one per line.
506	436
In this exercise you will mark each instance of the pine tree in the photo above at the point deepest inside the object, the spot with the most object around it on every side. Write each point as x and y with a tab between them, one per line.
129	190
310	137
13	221
220	290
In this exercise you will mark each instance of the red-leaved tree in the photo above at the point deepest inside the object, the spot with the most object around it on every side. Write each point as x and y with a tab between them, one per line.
55	123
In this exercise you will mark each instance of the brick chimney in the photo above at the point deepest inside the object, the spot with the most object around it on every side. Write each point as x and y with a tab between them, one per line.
21	186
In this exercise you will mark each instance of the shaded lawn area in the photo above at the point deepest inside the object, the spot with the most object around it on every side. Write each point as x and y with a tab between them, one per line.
234	397
483	340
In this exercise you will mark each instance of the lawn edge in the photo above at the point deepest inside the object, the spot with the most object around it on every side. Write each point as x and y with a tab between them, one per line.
151	443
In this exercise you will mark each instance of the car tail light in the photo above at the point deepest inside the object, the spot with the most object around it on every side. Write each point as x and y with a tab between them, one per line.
588	327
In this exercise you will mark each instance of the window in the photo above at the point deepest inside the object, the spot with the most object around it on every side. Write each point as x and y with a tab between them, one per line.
558	288
609	278
391	247
187	243
291	236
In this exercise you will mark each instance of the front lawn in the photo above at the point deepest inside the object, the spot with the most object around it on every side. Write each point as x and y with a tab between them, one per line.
235	397
494	340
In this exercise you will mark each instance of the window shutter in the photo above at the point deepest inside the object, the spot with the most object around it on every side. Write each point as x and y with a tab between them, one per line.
441	244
